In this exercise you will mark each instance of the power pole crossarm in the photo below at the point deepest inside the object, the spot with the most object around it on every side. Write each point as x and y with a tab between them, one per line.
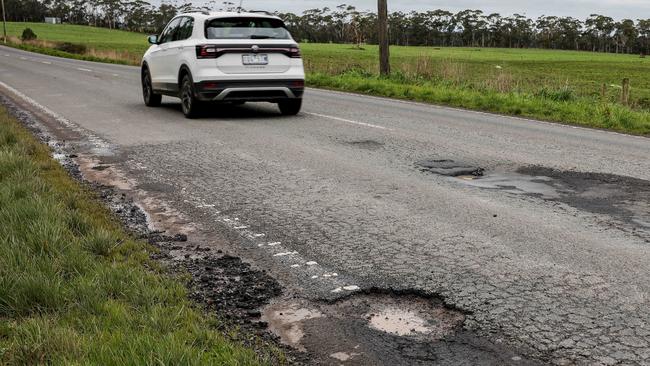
384	53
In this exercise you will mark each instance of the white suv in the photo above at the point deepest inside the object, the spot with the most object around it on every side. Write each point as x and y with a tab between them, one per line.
224	57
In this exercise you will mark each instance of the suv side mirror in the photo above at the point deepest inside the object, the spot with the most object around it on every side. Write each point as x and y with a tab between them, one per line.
153	39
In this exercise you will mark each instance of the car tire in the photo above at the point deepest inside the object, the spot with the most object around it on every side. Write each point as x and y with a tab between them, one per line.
190	105
151	98
290	107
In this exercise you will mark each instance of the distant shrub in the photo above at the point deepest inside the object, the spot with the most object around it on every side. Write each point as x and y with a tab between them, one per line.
78	49
28	35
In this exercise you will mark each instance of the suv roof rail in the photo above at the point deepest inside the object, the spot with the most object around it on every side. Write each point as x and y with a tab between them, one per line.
198	10
262	12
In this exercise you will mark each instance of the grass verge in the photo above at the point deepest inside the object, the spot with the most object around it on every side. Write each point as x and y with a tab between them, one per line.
75	288
84	57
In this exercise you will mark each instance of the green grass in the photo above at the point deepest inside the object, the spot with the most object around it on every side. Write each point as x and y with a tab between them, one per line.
514	69
75	289
99	38
560	86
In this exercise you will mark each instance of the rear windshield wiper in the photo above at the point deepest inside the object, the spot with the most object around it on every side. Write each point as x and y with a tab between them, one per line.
261	37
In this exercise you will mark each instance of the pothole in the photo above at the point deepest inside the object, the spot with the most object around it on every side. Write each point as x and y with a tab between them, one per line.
405	316
399	321
402	316
517	183
384	328
449	168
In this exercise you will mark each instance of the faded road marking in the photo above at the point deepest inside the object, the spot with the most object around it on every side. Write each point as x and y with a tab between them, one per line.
82	69
349	121
285	254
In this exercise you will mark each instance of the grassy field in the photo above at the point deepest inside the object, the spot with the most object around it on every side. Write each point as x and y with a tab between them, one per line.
521	70
561	86
75	289
102	40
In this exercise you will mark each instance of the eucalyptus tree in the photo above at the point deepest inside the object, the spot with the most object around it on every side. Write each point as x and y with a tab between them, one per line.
643	26
470	23
602	28
626	35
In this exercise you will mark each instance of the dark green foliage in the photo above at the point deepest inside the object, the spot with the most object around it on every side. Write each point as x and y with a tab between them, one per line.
28	35
74	48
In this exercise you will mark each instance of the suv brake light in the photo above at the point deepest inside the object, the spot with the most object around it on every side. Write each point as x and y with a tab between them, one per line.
206	51
294	52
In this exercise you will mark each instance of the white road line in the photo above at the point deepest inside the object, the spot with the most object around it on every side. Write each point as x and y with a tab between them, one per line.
349	121
82	69
98	143
46	62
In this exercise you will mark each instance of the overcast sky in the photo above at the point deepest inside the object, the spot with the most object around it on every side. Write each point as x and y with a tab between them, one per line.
618	9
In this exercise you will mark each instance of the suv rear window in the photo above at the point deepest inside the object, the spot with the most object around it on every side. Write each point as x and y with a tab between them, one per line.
246	28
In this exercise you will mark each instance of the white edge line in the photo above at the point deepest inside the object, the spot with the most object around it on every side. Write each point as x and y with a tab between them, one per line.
349	121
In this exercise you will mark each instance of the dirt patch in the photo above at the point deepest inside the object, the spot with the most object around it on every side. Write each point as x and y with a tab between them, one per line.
226	284
449	168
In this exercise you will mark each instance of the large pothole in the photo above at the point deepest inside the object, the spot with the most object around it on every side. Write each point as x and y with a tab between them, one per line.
383	328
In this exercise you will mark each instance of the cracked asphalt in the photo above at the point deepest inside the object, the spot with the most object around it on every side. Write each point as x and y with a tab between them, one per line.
330	202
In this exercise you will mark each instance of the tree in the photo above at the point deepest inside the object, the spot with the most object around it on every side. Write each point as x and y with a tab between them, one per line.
643	27
602	28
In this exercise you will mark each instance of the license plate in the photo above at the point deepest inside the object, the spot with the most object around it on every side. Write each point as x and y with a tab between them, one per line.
255	59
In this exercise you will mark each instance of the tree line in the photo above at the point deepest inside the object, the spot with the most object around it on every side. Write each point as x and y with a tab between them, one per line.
347	24
473	28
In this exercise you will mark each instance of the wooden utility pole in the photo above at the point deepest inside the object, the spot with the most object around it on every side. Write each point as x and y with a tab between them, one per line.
384	52
4	21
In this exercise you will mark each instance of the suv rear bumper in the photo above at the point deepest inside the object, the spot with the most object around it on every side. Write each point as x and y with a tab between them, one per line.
249	90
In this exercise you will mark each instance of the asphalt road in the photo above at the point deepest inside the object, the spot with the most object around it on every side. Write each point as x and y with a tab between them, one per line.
561	270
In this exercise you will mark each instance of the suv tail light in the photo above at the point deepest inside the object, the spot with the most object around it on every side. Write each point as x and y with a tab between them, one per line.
294	52
206	51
